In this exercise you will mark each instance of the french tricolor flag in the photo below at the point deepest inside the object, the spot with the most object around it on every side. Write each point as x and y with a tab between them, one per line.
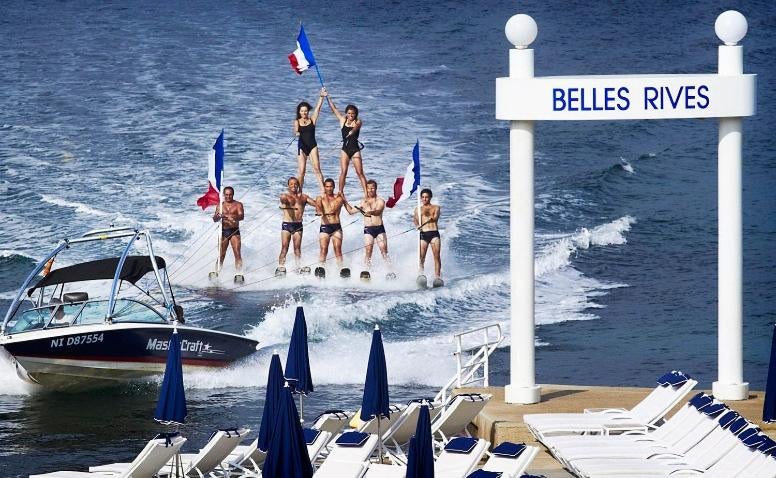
302	58
215	171
407	184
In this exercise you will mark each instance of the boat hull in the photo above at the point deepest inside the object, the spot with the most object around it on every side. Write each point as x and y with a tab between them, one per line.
117	352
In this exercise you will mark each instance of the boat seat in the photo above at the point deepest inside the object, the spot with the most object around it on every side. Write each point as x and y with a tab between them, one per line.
71	297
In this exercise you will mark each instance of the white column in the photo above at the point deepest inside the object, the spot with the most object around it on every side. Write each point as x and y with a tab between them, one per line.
521	31
730	384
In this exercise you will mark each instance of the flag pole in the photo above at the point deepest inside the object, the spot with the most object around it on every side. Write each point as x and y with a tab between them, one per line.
220	232
320	77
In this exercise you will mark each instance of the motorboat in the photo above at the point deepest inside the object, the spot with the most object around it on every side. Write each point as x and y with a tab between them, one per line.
108	319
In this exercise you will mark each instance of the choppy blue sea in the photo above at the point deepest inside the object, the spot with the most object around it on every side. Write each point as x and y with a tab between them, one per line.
109	109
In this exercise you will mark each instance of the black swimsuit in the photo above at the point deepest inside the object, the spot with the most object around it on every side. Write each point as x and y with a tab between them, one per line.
330	228
226	233
374	231
306	141
428	236
350	145
292	227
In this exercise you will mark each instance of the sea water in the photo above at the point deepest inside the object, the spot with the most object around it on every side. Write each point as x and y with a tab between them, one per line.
110	109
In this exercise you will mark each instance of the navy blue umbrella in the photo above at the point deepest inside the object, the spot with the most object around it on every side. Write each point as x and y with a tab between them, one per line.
769	404
298	360
420	462
171	407
287	454
375	403
271	401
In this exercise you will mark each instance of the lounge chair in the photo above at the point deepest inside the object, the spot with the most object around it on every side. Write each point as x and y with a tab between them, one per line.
646	413
510	459
370	426
459	457
706	420
332	421
679	424
210	457
246	458
458	415
315	440
705	455
146	465
347	457
403	427
377	470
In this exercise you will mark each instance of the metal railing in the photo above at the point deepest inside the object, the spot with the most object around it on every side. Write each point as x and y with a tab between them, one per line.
472	361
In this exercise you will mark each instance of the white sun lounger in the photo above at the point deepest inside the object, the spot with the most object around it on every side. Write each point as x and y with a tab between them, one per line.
455	419
247	458
370	426
714	448
146	465
377	470
610	421
348	461
706	420
210	457
510	459
673	429
403	427
332	421
456	464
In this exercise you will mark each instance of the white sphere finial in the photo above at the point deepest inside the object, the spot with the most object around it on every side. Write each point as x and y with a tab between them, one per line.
521	30
730	27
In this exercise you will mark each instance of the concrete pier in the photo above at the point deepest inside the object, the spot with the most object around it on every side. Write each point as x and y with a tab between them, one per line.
501	421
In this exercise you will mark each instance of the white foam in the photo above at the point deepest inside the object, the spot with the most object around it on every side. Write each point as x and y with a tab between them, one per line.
10	383
79	207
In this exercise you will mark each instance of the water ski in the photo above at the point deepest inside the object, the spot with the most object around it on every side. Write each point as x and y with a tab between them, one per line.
213	276
320	272
438	282
345	273
280	271
422	281
365	276
239	279
390	276
304	270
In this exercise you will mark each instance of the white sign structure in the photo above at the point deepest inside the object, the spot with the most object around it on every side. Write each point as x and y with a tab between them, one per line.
523	99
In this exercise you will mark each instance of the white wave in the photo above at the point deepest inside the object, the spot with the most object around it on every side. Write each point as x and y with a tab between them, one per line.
10	383
79	207
15	252
626	166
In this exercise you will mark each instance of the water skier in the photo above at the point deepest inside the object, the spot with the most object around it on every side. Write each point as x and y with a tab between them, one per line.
350	126
330	206
292	203
230	213
372	207
428	226
307	146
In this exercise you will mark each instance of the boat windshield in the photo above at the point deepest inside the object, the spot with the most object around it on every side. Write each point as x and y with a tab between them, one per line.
91	312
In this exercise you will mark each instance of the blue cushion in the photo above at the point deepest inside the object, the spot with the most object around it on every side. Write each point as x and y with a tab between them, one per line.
673	379
461	445
701	400
768	445
754	440
713	410
484	474
509	450
352	439
727	419
749	432
533	476
310	435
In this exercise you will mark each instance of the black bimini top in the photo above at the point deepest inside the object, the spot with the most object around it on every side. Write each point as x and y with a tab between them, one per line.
134	268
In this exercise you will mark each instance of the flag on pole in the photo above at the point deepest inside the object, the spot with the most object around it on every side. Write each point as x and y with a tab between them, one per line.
407	184
302	58
215	169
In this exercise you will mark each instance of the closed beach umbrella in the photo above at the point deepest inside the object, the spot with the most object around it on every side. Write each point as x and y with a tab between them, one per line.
420	462
298	361
287	454
171	407
769	404
271	401
375	403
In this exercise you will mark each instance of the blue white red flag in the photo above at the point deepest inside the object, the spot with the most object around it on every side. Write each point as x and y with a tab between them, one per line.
407	184
302	58
215	170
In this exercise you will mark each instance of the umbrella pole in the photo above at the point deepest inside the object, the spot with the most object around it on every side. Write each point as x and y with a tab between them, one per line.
301	408
379	442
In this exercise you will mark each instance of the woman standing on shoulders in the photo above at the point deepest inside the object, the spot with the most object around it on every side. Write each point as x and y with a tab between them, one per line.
307	147
351	147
